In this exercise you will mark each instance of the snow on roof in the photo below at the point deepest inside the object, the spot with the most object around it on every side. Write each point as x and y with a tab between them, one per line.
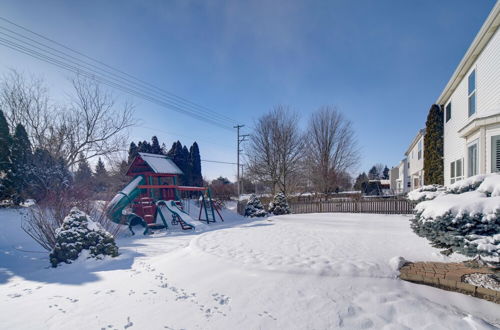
160	163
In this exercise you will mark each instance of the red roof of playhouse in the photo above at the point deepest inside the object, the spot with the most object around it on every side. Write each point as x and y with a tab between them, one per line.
153	163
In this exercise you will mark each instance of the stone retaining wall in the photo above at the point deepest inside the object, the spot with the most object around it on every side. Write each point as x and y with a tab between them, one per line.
448	276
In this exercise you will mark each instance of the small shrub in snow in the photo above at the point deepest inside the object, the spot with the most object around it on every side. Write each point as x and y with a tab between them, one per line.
465	185
77	233
464	219
254	207
279	205
426	193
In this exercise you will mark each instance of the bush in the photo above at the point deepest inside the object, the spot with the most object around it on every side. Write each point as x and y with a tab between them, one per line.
279	205
254	208
464	219
77	233
426	193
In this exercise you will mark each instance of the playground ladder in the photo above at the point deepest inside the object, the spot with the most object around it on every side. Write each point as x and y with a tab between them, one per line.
148	209
207	205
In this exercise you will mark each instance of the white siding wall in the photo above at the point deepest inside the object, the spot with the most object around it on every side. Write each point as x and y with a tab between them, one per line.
415	165
487	68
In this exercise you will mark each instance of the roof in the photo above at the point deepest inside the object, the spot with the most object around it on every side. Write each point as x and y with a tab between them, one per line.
160	164
482	38
420	133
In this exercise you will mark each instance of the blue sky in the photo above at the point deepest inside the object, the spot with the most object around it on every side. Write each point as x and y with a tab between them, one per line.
382	63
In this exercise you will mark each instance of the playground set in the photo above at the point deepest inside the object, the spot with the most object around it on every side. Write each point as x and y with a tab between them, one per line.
154	196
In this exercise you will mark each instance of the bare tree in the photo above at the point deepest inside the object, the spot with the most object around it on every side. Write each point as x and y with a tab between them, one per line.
275	149
92	124
25	101
331	148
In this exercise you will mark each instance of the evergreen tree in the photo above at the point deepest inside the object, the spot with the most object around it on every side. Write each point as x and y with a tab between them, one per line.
180	156
155	146
83	175
133	151
5	144
195	164
360	181
373	173
47	175
144	146
101	176
254	207
385	173
433	147
279	205
186	166
21	158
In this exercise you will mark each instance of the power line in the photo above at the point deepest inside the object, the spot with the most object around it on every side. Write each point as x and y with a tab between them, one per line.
108	66
172	102
103	80
218	161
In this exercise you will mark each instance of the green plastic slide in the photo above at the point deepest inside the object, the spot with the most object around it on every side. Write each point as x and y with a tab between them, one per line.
124	198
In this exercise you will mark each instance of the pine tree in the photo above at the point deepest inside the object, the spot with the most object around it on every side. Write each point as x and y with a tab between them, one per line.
373	173
101	176
47	175
433	147
83	175
6	188
144	146
385	173
21	159
133	151
279	205
155	146
254	207
5	144
195	164
360	181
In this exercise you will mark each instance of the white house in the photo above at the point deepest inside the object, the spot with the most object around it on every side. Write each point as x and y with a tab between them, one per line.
403	180
415	162
471	103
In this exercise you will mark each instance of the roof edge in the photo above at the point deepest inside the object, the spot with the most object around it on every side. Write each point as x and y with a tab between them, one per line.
487	31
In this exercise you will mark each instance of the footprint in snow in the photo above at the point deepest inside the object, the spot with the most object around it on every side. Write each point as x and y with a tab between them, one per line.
129	323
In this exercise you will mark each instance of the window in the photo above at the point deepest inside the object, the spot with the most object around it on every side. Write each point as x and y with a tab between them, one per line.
472	93
472	159
495	153
452	172
420	149
448	112
456	171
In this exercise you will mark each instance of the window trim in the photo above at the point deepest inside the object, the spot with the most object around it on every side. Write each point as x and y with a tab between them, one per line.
493	168
447	112
471	94
473	167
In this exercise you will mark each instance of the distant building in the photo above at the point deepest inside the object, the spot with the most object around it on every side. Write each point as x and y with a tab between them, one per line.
471	104
402	185
415	162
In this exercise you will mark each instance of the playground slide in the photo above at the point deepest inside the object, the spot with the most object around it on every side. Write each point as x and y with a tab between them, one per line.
173	208
123	199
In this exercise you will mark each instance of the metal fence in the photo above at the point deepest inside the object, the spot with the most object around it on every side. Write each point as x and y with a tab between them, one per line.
366	205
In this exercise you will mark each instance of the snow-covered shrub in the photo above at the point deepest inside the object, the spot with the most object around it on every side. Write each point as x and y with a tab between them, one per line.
426	193
279	205
78	232
465	185
465	219
254	207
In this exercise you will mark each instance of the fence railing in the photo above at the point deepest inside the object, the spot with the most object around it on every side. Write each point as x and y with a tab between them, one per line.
368	205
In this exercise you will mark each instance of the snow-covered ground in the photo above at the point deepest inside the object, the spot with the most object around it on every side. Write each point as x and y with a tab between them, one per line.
314	271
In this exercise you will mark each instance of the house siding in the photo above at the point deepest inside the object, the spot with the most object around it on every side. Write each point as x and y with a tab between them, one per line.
487	67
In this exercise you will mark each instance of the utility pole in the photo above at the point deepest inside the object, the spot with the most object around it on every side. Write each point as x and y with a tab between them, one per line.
239	139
